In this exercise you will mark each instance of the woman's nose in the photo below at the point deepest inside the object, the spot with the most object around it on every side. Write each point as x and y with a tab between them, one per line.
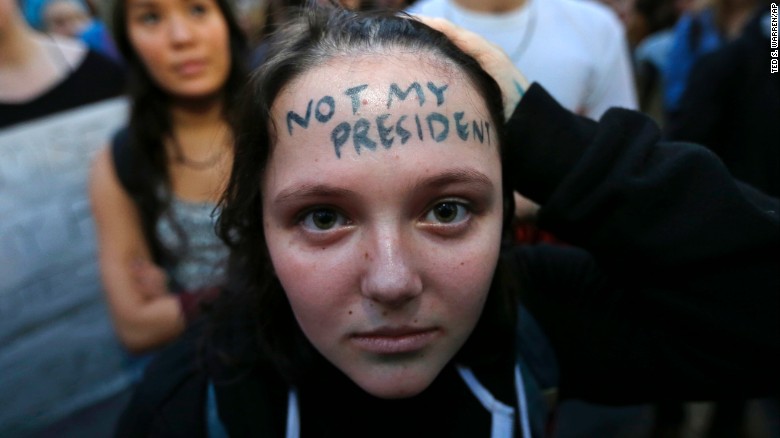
179	30
391	276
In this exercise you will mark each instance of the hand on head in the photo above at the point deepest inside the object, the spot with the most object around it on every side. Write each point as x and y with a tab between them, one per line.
490	56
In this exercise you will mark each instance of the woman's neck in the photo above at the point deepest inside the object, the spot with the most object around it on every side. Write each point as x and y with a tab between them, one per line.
197	114
491	6
198	129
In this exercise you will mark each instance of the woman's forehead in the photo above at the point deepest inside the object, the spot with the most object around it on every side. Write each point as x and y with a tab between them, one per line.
359	104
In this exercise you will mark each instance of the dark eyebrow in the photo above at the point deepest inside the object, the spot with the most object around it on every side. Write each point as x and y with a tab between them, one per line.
309	190
303	191
464	175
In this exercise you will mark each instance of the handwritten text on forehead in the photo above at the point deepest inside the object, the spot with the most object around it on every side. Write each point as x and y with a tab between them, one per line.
386	128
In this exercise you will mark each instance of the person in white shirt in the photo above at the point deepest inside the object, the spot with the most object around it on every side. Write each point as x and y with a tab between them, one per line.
576	49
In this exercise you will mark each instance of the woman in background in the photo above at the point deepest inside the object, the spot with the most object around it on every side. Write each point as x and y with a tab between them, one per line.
154	190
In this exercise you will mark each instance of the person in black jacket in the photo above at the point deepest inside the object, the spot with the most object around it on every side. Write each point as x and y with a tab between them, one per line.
731	103
371	294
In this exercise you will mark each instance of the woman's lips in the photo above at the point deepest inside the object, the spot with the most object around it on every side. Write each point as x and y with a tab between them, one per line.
394	340
190	68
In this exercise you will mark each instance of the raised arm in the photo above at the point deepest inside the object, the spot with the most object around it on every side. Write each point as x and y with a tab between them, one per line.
672	289
144	313
491	57
681	297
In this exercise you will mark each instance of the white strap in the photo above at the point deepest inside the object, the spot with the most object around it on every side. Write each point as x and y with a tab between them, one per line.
503	416
215	428
293	415
522	403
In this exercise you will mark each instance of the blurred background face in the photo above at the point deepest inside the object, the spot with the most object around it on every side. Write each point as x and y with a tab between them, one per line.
184	44
65	17
383	214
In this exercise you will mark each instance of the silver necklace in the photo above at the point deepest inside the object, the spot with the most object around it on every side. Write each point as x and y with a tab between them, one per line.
180	158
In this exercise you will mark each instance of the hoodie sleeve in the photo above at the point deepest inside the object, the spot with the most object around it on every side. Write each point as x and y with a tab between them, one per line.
668	287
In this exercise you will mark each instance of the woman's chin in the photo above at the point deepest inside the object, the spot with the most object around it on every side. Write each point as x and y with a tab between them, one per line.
393	390
395	384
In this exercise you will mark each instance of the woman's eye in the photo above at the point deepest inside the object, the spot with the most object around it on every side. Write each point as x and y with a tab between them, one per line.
198	9
323	219
149	18
447	212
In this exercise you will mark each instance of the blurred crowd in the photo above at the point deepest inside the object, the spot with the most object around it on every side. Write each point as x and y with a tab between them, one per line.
699	68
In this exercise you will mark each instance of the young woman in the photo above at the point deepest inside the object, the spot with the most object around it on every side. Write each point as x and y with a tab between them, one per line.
154	190
369	296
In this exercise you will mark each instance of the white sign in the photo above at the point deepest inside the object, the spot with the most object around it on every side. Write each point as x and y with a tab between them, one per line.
59	352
